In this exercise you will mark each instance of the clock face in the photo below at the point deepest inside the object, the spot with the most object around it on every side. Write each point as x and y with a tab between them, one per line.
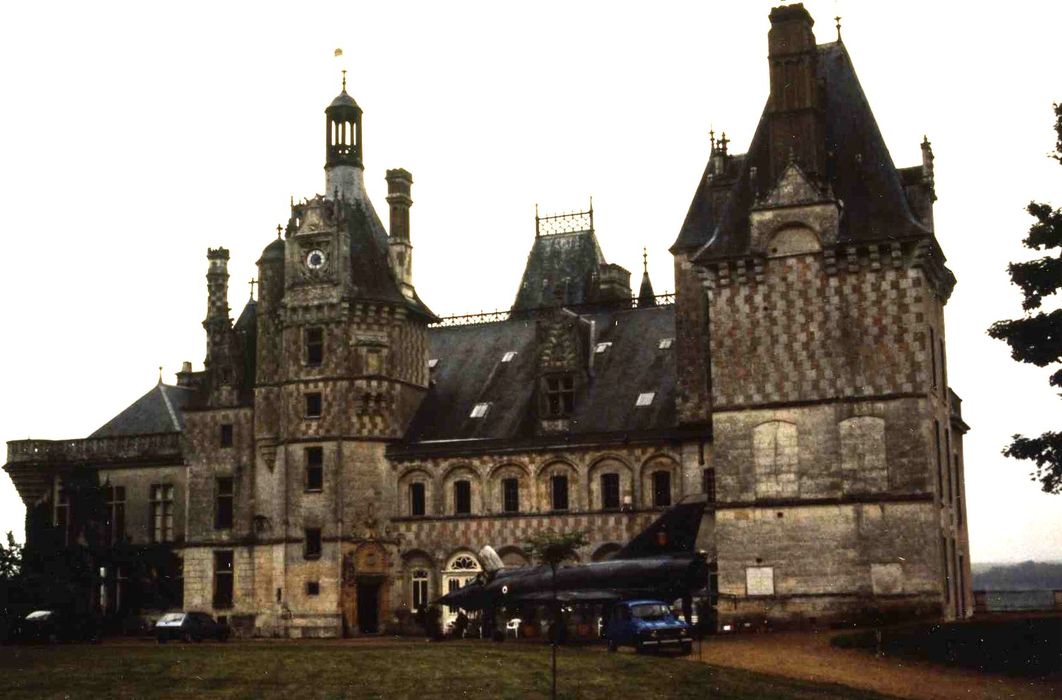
315	260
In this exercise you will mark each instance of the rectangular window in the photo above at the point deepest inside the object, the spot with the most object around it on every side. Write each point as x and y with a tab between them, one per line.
661	489
312	547
560	396
958	496
161	513
223	509
511	495
933	356
314	346
314	468
708	484
610	491
462	497
420	589
115	513
416	500
313	588
62	514
947	465
940	467
226	435
313	405
943	372
559	491
223	579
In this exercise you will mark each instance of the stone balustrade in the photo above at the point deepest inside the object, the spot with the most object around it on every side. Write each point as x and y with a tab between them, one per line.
121	448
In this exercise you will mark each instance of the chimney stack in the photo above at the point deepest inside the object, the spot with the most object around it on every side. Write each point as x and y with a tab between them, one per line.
217	322
400	253
796	124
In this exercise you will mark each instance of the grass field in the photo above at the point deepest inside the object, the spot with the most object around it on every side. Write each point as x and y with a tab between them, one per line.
382	669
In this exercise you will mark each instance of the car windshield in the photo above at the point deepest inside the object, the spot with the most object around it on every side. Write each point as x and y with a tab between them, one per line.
172	617
39	614
650	611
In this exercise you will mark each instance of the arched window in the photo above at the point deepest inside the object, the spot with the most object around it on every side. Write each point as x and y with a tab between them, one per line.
661	489
775	457
559	491
863	454
462	569
419	587
462	497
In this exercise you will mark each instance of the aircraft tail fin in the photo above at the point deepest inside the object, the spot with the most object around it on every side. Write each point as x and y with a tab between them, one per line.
674	532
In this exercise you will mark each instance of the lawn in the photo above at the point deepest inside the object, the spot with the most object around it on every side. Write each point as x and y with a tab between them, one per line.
383	669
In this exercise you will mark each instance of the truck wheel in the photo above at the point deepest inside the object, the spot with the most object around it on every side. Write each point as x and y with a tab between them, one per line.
612	646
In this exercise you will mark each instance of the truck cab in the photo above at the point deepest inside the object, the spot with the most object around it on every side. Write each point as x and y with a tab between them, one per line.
644	625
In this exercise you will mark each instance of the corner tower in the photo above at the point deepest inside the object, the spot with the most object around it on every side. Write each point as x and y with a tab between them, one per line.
343	366
810	331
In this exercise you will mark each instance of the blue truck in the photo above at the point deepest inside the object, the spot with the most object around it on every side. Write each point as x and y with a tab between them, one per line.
645	625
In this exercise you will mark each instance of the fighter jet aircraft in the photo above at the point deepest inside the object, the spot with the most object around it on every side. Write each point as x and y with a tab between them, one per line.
660	563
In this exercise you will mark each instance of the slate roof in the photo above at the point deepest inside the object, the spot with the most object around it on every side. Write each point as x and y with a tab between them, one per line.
470	370
559	270
372	275
158	411
860	172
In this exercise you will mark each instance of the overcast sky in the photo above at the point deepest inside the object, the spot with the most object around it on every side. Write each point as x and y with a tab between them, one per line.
136	135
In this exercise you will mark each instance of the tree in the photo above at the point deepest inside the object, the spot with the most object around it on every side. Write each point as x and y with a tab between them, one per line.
1036	338
10	559
554	548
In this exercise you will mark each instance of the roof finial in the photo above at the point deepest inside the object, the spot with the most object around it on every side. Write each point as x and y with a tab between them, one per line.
279	229
837	19
160	374
723	141
344	80
645	260
253	282
711	135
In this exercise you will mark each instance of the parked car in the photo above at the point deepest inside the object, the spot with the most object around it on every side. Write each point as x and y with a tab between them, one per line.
190	627
644	625
58	625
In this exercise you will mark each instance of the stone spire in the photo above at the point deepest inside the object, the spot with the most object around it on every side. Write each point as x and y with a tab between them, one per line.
646	297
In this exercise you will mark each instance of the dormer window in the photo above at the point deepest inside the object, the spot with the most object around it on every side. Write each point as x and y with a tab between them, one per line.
508	357
645	398
433	362
479	410
665	343
559	396
602	347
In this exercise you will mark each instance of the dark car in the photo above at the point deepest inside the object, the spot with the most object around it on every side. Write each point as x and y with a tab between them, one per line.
644	625
190	627
58	626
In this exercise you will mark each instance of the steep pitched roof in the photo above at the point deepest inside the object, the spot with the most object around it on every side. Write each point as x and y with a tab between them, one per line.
559	270
157	411
470	370
860	173
372	275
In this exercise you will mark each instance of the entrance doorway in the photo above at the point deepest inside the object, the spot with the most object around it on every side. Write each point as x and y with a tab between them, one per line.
368	606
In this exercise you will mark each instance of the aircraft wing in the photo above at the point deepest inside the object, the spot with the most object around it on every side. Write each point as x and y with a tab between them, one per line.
571	597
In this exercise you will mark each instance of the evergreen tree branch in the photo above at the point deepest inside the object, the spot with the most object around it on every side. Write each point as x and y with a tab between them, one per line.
1036	340
1036	279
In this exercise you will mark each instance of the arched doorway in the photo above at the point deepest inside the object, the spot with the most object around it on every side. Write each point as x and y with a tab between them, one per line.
462	568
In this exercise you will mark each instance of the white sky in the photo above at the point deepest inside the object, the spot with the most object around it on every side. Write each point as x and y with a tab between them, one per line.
132	137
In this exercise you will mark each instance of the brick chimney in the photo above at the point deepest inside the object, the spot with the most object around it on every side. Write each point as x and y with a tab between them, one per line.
796	126
400	253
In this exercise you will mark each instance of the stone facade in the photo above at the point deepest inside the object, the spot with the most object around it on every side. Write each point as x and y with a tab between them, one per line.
344	454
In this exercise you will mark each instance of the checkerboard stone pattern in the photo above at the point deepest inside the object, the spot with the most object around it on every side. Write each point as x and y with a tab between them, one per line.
793	331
